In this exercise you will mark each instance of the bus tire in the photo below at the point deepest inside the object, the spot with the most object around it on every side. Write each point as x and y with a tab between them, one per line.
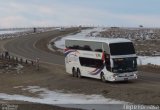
74	73
103	78
79	73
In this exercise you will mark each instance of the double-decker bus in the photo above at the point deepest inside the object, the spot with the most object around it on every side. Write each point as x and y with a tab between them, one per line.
101	58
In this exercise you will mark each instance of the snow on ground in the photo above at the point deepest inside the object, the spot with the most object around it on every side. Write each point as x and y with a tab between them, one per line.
59	98
144	60
82	34
14	31
23	32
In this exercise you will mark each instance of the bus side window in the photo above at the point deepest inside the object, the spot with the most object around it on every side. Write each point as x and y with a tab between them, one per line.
89	62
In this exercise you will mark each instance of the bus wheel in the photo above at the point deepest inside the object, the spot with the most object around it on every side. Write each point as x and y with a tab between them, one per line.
79	74
103	78
74	73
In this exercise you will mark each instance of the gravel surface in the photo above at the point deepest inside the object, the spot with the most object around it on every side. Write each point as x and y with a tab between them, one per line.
52	75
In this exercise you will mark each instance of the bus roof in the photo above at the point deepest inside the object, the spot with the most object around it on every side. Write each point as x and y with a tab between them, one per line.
99	39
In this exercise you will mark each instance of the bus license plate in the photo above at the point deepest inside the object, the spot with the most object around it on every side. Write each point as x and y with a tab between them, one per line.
125	79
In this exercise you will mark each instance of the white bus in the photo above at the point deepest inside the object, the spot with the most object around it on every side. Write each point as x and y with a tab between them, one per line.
101	58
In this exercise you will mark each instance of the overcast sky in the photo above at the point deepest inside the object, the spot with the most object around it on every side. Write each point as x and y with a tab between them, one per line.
126	13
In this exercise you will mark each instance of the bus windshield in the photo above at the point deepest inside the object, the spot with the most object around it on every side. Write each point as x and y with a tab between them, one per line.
122	65
124	48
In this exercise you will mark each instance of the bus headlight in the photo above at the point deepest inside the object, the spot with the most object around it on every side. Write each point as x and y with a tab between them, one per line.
115	76
135	75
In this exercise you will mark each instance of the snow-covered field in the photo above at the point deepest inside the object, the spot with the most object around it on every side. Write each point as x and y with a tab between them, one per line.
22	32
83	34
58	97
14	31
142	60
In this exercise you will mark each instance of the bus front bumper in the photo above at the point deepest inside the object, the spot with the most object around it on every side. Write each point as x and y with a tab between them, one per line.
124	77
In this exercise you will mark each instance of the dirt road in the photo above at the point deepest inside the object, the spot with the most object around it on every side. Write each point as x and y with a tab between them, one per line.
35	46
145	90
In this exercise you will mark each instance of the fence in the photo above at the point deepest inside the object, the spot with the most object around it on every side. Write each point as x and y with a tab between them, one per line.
12	60
7	60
